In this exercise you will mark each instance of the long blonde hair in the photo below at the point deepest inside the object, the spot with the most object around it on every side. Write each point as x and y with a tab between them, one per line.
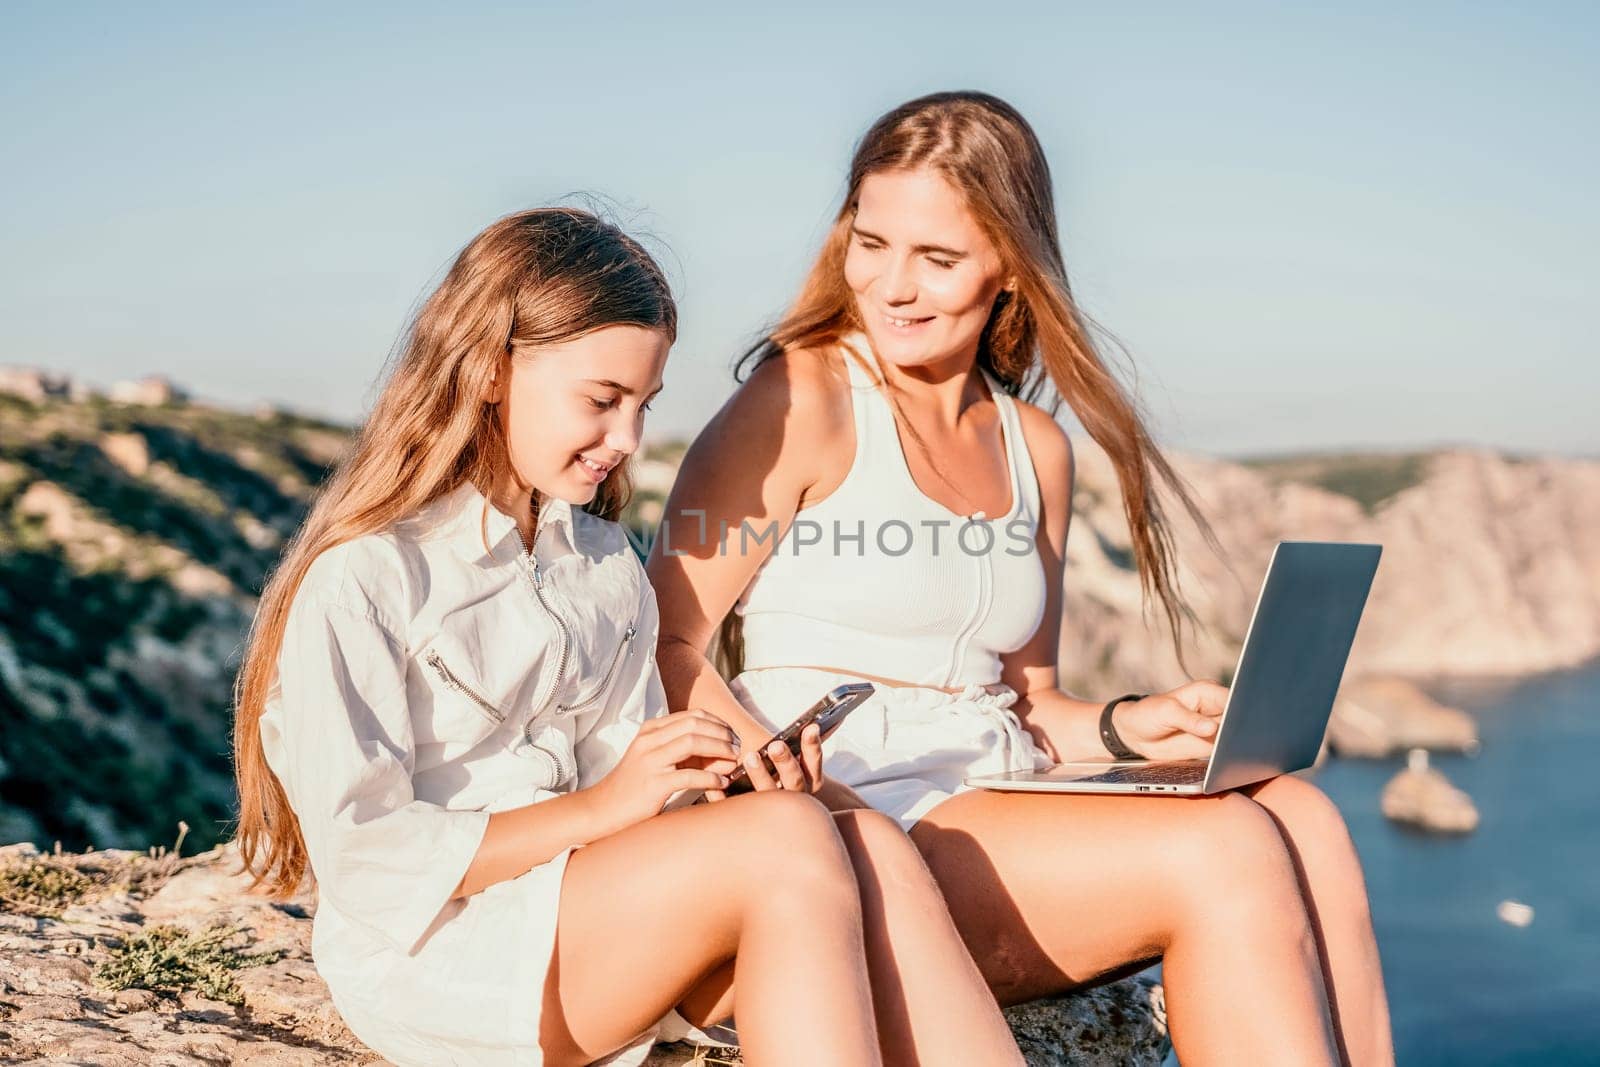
531	279
1036	343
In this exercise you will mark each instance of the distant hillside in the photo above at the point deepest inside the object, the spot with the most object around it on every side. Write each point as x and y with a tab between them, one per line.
133	541
1369	479
1491	564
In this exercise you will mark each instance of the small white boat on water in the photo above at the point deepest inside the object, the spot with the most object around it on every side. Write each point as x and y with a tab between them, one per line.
1514	912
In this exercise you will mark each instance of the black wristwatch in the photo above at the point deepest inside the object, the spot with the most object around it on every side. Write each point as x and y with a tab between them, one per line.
1108	733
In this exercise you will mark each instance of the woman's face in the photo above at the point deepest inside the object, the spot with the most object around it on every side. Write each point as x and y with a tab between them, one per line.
573	411
924	274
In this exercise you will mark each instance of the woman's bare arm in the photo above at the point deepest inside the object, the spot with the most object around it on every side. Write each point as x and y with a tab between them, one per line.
1064	726
784	440
1180	724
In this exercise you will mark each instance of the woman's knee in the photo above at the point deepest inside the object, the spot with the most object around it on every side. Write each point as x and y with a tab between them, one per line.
1226	867
884	854
1320	841
1307	816
1230	851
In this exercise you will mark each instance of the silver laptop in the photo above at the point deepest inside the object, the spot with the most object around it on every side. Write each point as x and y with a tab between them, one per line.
1283	688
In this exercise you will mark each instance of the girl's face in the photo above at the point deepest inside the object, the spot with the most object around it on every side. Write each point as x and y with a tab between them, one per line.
572	411
924	274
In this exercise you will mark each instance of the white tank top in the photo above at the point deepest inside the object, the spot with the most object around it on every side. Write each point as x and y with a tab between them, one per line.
879	579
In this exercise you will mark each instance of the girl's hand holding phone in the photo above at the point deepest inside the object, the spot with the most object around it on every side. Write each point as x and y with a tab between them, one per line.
793	759
802	774
687	750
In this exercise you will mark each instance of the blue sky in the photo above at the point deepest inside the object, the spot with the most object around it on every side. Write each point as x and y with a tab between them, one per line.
1313	227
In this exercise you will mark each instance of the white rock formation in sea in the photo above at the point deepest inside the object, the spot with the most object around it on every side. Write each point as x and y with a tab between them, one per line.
1423	797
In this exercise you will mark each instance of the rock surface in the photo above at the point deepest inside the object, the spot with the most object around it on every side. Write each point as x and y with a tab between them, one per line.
53	1008
1377	717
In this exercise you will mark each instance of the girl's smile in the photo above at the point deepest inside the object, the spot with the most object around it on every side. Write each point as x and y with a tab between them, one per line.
573	412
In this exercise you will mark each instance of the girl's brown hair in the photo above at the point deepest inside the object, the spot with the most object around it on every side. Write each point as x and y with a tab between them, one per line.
531	279
1036	342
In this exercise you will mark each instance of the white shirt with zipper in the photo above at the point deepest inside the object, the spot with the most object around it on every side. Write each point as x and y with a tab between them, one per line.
432	674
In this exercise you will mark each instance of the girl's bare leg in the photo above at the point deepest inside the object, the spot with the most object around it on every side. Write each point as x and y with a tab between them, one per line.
1335	891
1052	892
650	912
930	999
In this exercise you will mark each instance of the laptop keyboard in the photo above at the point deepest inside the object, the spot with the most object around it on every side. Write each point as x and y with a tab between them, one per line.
1178	772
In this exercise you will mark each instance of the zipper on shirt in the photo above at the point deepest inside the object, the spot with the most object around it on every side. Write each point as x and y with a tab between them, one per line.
561	768
982	604
451	681
623	649
530	567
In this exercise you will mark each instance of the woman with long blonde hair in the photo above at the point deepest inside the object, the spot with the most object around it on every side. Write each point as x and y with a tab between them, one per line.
449	714
882	499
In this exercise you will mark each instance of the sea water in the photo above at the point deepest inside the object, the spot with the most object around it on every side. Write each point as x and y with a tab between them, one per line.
1464	986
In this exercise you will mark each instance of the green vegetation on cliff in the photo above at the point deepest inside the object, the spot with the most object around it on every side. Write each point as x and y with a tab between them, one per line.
133	541
1367	478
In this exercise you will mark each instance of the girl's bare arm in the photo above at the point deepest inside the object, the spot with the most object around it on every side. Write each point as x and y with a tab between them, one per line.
650	771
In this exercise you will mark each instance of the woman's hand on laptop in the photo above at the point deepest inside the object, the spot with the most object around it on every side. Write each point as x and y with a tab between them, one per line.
1180	724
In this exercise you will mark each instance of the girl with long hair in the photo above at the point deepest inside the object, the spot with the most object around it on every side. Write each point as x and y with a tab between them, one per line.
882	498
449	714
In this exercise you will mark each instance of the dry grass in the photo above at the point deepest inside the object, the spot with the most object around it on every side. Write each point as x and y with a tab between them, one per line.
45	886
171	959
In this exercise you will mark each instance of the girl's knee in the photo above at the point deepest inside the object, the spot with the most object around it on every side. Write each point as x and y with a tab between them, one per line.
787	811
872	830
789	834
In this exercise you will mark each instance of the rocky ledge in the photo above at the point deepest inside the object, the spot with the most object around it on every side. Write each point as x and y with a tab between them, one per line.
126	958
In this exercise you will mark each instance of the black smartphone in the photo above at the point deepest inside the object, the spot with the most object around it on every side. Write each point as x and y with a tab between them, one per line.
827	713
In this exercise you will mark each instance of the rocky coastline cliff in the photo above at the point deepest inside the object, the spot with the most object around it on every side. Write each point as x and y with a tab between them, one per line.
1490	568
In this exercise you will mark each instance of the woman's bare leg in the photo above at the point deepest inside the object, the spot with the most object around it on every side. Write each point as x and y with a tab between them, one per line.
932	1004
930	1000
1052	892
648	913
1335	891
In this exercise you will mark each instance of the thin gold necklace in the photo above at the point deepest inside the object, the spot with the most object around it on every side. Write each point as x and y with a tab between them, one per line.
969	509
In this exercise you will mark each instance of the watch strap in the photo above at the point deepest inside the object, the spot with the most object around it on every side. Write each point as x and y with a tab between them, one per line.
1108	732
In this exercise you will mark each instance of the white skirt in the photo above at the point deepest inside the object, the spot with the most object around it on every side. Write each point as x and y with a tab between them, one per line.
471	992
907	749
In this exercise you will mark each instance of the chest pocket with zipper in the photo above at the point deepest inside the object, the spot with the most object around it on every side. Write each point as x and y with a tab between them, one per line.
469	711
594	691
469	699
